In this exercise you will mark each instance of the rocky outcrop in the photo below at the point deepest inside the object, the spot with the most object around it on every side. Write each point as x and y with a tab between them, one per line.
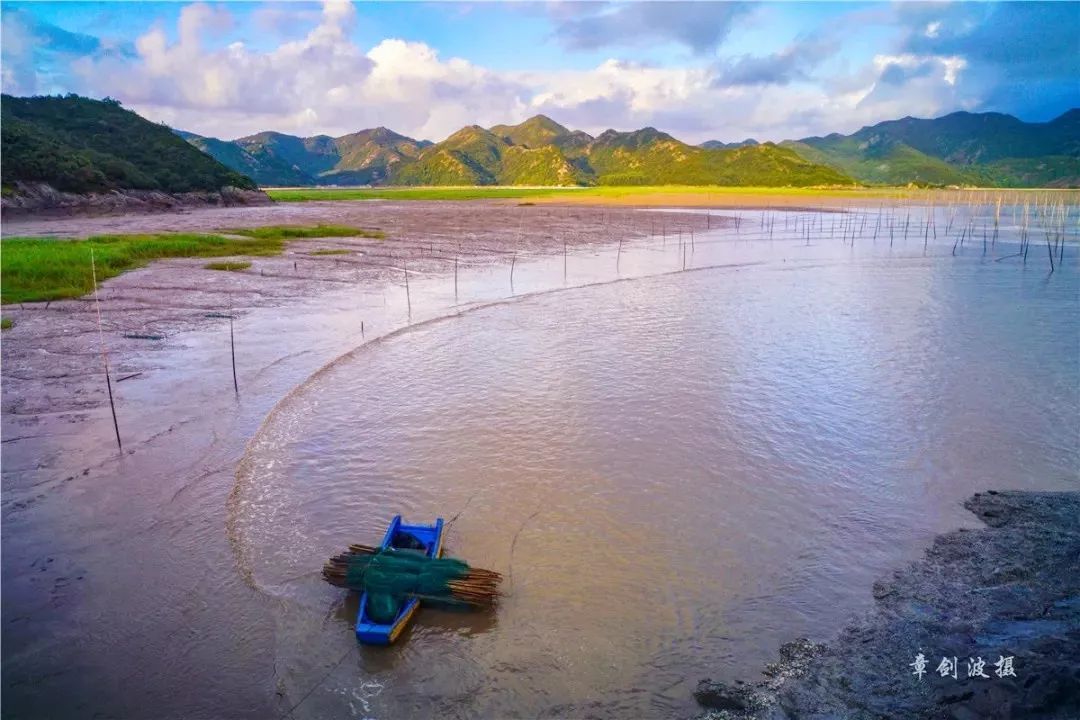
43	199
1010	590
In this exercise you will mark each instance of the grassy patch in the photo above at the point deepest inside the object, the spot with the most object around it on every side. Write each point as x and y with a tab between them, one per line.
415	193
6	323
330	252
230	266
298	232
36	269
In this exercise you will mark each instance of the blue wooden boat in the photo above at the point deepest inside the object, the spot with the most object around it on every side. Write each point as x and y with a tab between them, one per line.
423	538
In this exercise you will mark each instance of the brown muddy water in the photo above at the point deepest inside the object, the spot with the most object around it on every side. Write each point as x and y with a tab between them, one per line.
676	471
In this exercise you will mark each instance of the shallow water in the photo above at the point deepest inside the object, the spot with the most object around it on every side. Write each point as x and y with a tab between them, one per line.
677	473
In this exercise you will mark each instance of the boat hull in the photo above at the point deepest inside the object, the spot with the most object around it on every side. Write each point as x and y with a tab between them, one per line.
431	536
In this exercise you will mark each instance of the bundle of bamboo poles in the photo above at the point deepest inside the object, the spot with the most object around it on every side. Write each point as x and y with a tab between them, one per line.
475	587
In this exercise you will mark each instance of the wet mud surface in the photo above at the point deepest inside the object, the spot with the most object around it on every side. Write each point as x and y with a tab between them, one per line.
1008	590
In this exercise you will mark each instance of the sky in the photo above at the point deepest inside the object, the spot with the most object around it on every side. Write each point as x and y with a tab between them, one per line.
698	70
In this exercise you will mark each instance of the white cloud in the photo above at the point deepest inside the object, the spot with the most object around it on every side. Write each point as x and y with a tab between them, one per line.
322	82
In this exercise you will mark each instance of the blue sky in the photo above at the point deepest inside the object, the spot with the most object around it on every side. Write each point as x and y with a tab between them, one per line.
698	70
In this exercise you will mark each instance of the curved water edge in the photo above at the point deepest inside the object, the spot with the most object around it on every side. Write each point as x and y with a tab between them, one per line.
842	380
244	470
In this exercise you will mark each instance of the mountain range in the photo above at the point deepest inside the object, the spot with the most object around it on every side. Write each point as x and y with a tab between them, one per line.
538	151
986	149
82	145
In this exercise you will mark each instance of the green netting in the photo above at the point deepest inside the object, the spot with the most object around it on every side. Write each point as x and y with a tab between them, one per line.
390	576
383	607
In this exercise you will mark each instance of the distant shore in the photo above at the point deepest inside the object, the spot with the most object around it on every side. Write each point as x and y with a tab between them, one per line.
676	195
43	200
1010	590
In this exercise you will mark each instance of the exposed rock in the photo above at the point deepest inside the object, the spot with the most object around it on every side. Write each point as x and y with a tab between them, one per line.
1009	590
43	199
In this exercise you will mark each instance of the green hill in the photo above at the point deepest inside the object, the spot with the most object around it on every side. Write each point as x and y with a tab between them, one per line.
539	151
370	156
958	149
523	165
650	157
471	156
881	161
265	169
80	145
273	158
537	131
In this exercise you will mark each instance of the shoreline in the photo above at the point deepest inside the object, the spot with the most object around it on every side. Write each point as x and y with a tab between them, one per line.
168	493
1008	589
72	505
40	201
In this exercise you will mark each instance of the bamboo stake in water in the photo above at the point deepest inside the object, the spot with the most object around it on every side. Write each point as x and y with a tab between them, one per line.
104	355
408	297
232	348
513	262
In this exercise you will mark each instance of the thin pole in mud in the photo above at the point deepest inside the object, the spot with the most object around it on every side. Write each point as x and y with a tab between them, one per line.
232	348
513	262
408	296
455	278
361	328
959	241
1049	251
618	256
104	355
564	260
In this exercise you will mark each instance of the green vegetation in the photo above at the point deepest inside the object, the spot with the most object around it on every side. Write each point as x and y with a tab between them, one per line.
959	149
34	269
415	193
539	166
987	149
299	232
263	169
277	159
542	152
6	323
47	269
537	152
228	265
79	145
